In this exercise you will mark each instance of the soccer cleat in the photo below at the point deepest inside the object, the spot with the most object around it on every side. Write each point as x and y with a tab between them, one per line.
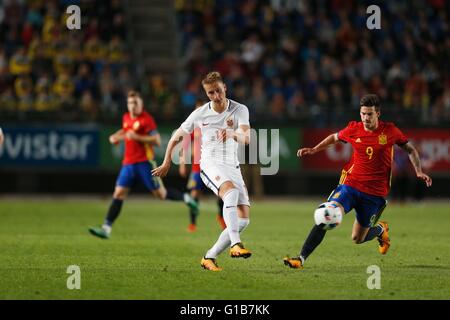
192	227
210	264
99	232
294	263
221	222
238	251
383	240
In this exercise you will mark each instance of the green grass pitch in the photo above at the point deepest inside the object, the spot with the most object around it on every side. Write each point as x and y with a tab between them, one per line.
151	255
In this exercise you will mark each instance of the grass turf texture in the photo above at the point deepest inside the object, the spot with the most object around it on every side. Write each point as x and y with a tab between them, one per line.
151	255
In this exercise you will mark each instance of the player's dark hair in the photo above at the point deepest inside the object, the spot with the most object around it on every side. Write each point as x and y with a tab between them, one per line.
133	94
370	100
212	77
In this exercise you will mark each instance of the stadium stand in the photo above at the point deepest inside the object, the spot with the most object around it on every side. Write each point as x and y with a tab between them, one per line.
310	62
50	73
292	62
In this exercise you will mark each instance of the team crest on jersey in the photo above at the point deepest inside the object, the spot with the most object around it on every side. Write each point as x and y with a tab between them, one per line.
358	140
136	125
382	139
229	122
217	178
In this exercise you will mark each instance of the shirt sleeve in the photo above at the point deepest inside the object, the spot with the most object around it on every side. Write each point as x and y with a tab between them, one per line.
189	124
242	116
344	134
151	127
399	138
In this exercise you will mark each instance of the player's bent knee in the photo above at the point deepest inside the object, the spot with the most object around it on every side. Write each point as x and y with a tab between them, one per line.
120	193
160	196
230	197
225	188
160	193
357	239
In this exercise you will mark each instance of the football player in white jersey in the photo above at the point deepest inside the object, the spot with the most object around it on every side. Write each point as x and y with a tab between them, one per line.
224	124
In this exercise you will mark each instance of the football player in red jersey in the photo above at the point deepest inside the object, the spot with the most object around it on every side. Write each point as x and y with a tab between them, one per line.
366	179
140	134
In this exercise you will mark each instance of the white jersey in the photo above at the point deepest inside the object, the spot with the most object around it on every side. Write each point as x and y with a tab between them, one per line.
210	122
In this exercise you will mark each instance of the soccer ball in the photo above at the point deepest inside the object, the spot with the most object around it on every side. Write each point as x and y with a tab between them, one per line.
327	216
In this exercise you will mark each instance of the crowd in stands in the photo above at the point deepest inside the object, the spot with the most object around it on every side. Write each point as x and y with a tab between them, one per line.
48	71
311	61
290	61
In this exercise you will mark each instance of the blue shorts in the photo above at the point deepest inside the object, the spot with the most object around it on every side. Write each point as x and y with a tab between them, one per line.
367	207
195	182
139	171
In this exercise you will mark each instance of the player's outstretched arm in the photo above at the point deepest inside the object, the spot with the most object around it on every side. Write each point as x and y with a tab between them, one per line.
153	139
182	168
241	135
331	139
415	160
117	136
163	169
2	138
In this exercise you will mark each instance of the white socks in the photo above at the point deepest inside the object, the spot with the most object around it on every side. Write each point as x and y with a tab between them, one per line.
224	239
230	200
243	223
107	228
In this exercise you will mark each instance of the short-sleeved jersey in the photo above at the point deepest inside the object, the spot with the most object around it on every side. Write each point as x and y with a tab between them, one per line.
370	168
210	122
135	151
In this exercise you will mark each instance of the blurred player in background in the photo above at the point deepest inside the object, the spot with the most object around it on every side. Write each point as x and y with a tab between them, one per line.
366	179
195	184
2	138
140	134
224	124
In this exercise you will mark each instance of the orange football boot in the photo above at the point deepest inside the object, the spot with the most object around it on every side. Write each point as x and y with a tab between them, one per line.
192	227
294	263
210	264
238	251
384	241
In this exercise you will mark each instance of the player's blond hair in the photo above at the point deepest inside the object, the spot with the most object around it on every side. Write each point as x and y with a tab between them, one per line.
212	77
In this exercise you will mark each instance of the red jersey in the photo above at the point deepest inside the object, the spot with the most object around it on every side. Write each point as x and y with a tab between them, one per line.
195	142
137	151
370	168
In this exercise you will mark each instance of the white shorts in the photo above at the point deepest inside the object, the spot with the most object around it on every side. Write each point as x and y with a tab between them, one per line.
213	176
